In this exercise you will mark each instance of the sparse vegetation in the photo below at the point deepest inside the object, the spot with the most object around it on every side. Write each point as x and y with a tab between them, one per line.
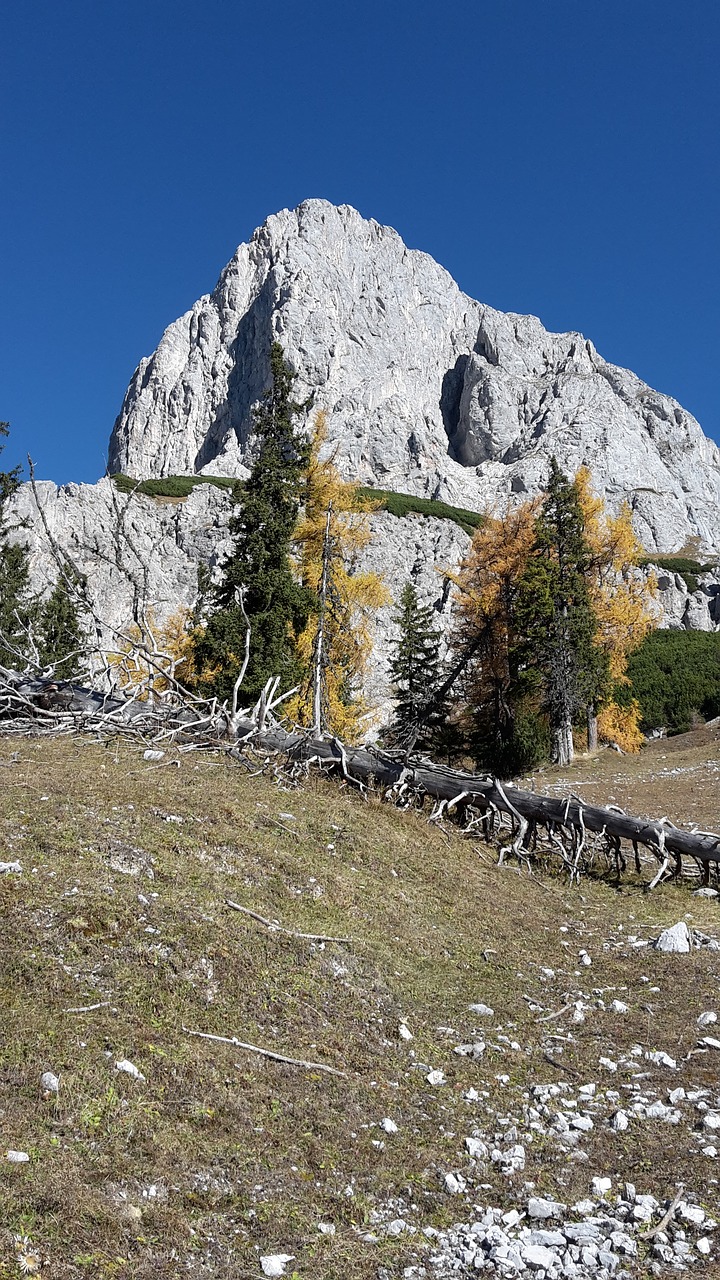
218	1154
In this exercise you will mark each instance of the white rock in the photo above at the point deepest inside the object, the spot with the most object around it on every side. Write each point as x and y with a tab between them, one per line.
710	1151
274	1264
49	1082
388	1125
618	1006
691	1213
601	1186
538	1256
661	1059
129	1069
17	1157
427	391
482	1010
541	1208
710	1042
476	1149
9	868
703	1246
475	1050
711	1120
608	1064
435	1077
676	1095
404	1031
706	1019
153	755
326	1228
675	939
620	1121
454	1184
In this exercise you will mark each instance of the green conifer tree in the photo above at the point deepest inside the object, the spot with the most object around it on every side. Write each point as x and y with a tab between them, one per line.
15	603
420	715
560	643
257	573
61	635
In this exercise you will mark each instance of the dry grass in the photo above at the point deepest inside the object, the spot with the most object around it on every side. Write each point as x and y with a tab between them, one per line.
219	1155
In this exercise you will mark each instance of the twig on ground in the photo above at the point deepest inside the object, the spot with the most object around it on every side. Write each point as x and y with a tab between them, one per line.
274	927
648	1235
89	1008
267	1053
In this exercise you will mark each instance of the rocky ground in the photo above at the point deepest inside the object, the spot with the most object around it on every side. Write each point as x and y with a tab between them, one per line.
530	1086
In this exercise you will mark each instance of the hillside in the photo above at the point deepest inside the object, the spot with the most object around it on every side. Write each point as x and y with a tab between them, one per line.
215	1156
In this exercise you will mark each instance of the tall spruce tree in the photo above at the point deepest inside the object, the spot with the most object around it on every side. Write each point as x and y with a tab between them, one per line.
61	635
15	604
559	630
257	574
415	670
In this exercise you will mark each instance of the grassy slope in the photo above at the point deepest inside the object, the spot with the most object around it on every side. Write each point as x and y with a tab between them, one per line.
248	1155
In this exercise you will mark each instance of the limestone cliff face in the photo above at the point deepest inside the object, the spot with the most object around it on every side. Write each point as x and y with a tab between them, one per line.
427	391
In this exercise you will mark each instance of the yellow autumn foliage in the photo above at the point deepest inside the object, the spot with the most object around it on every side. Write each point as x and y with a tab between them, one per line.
352	596
155	655
622	599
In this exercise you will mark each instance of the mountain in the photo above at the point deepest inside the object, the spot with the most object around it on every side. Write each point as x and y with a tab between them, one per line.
426	390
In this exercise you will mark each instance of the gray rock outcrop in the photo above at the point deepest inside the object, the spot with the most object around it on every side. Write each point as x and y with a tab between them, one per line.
427	391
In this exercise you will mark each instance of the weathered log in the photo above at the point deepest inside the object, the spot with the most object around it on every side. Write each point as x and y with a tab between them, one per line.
360	764
484	791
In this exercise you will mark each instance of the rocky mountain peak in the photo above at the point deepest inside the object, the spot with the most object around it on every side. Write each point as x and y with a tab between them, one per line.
427	391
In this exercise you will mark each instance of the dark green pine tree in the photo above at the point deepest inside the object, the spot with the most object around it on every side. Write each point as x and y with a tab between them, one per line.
420	714
15	603
558	629
61	634
259	564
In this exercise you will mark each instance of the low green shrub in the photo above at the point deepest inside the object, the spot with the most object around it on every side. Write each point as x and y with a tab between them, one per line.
403	504
675	676
170	486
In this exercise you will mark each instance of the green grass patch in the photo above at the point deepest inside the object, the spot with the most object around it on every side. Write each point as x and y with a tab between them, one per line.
170	486
404	504
398	504
688	569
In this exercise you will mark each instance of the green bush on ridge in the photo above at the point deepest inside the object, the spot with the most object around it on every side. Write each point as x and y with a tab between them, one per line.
675	676
398	504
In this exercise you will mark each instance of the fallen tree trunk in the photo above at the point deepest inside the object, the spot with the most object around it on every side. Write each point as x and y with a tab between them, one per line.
454	787
451	788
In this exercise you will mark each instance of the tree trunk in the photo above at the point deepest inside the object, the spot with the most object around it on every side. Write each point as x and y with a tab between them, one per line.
563	751
592	729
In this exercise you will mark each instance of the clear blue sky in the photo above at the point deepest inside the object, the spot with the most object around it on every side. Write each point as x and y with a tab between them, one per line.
559	158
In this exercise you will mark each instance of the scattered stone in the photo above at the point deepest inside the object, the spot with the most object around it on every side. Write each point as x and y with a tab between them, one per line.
601	1186
404	1032
475	1050
388	1125
435	1077
706	1019
710	1042
618	1006
662	1059
7	868
539	1207
130	1069
482	1010
454	1184
153	755
675	939
49	1083
274	1264
17	1157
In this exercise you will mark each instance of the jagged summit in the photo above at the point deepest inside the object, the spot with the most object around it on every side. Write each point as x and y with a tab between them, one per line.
427	390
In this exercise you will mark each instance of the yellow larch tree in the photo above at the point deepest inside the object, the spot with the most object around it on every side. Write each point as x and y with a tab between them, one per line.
155	657
483	635
335	645
623	602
